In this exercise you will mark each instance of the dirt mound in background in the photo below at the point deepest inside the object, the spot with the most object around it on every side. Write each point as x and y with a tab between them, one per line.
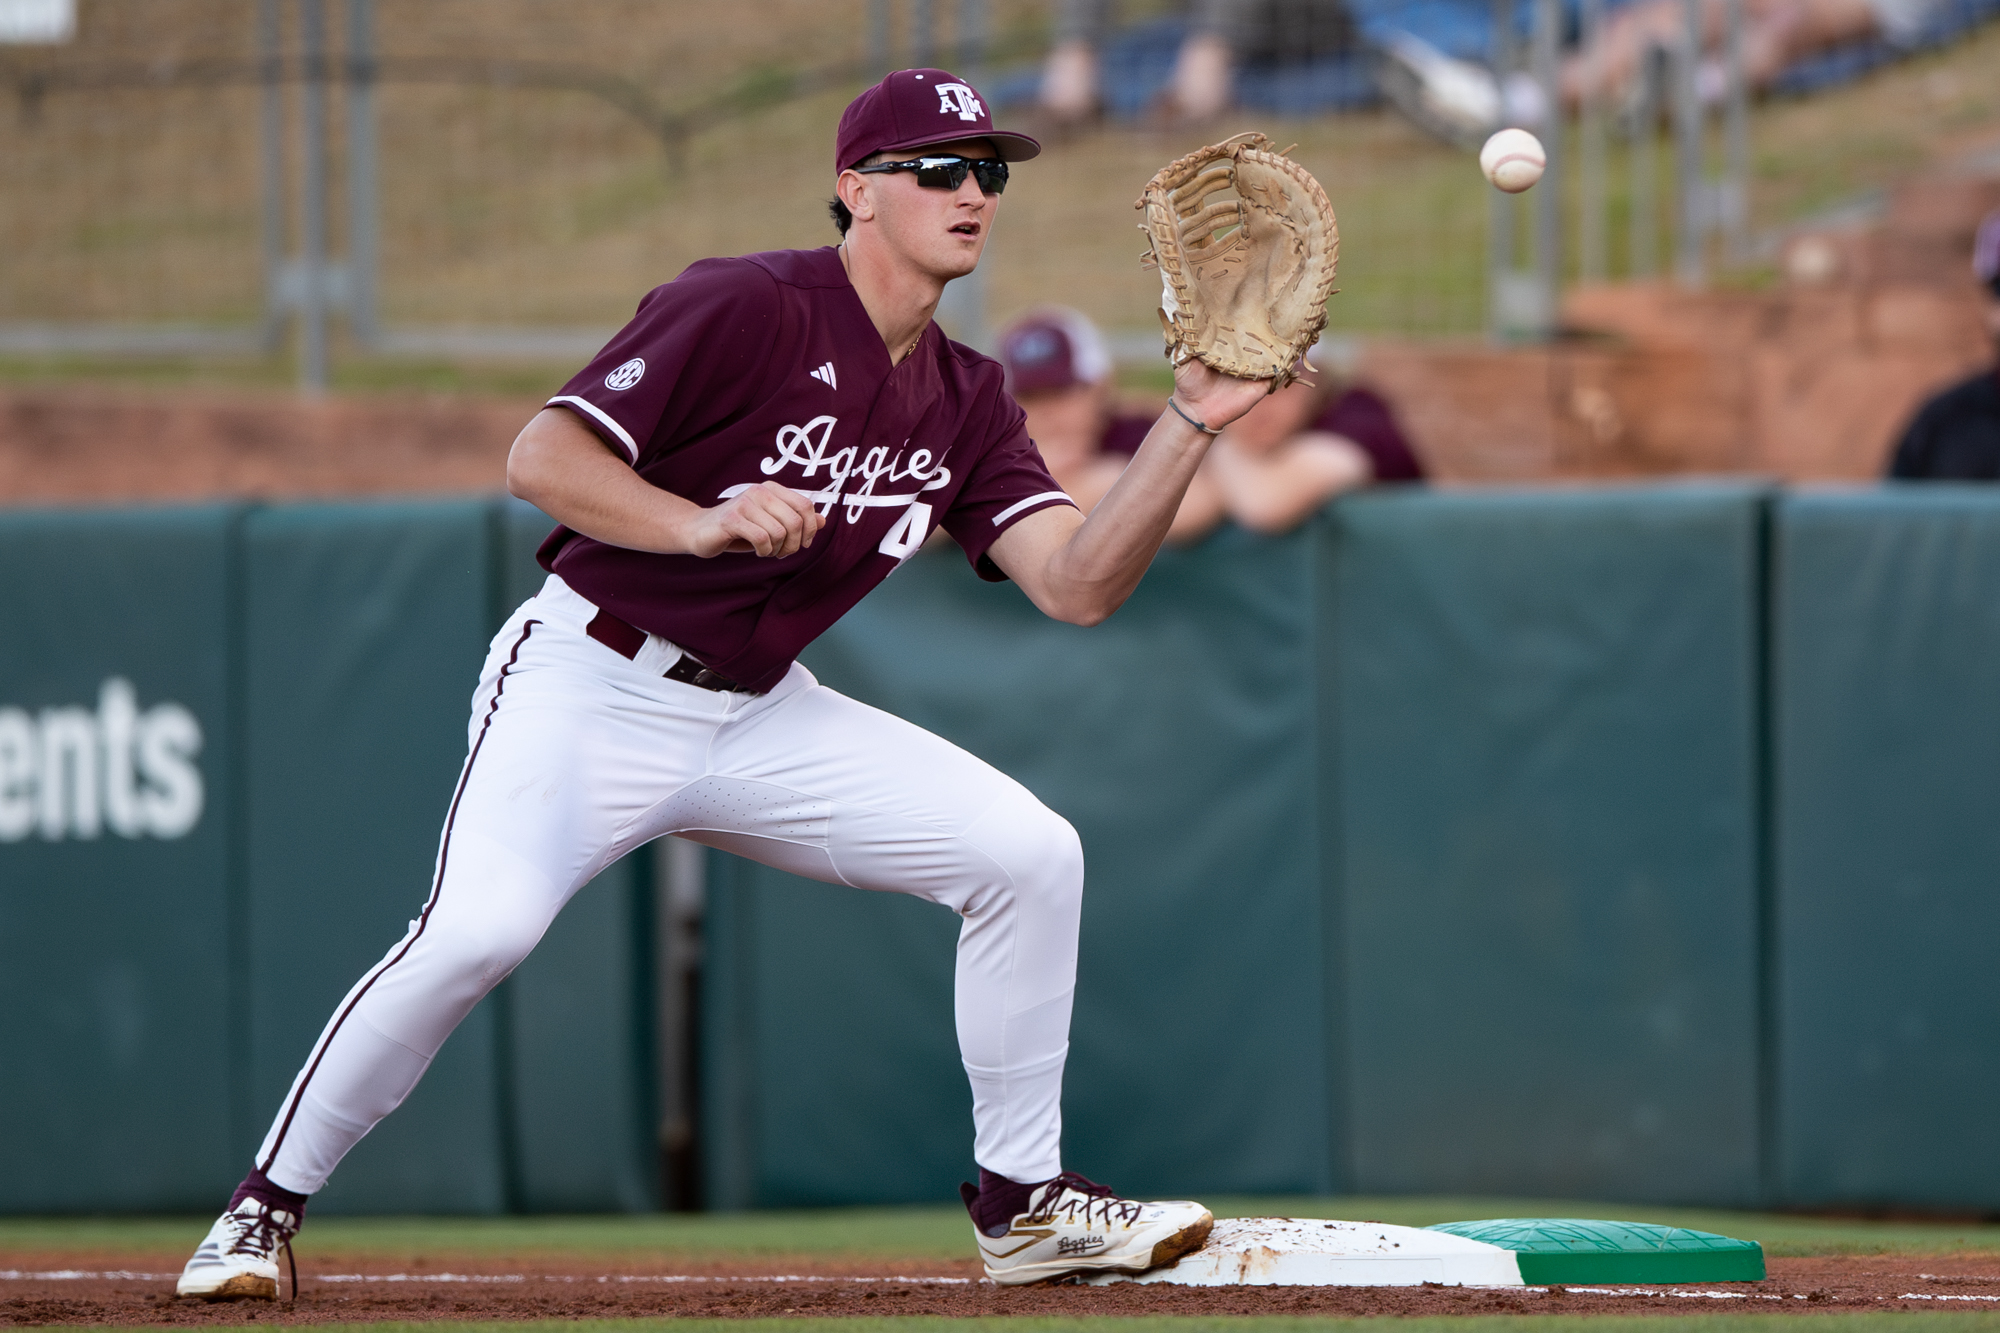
1810	381
446	1289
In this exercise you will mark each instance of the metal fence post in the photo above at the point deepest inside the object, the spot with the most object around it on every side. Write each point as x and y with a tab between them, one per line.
962	308
1591	259
970	39
271	147
681	890
312	259
1645	239
1500	206
1736	142
1548	193
362	221
878	37
1691	187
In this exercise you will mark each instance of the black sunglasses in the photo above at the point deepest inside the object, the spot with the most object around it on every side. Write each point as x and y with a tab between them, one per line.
948	173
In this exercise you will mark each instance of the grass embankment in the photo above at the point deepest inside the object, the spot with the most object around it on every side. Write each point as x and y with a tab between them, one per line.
525	206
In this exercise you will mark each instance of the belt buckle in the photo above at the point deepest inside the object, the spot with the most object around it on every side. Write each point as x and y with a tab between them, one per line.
689	670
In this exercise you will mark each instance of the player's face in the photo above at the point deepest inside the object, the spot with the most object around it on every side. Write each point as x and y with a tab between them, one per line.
1276	419
1069	420
940	232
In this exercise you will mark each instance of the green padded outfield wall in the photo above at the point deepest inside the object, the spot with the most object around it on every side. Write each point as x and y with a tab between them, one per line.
1887	645
1527	779
118	933
1548	811
369	623
1180	737
231	843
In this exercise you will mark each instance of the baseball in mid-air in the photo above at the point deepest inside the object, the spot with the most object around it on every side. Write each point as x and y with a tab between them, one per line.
1513	160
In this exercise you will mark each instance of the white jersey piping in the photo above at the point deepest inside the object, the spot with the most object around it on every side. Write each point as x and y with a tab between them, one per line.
571	400
1044	498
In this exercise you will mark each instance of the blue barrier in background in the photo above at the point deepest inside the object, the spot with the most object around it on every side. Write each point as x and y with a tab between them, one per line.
121	923
1887	735
1550	872
299	681
1626	843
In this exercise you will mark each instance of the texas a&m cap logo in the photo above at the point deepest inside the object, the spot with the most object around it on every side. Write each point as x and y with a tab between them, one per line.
919	108
958	99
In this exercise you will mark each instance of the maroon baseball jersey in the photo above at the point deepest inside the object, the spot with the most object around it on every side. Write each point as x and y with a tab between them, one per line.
1124	435
767	367
1363	416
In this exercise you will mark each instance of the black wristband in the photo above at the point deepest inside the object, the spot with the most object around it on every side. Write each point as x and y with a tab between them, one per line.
1198	425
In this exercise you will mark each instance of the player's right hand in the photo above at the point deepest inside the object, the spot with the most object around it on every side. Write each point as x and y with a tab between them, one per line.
767	519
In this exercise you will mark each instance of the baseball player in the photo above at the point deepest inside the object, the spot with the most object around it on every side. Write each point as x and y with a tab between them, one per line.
765	442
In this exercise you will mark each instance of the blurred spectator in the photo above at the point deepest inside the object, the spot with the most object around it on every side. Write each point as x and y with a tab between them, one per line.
1269	472
1461	100
1955	436
1221	34
1306	444
1776	33
1059	371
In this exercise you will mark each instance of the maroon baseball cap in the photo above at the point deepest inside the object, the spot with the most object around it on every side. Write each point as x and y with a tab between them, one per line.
1052	348
1986	251
913	108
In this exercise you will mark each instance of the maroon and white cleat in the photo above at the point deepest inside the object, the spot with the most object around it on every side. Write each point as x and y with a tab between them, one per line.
1073	1225
239	1257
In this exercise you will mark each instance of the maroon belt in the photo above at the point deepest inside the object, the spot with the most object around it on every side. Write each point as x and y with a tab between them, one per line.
627	639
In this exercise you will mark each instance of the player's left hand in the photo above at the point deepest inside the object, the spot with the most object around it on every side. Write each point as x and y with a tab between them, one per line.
1214	398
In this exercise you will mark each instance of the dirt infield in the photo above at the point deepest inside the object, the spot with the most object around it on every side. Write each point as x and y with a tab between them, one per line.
123	1291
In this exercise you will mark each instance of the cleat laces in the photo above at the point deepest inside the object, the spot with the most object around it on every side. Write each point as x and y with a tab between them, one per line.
262	1235
1081	1202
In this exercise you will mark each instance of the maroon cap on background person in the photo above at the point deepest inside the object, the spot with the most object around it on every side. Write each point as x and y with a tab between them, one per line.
1986	252
913	108
1050	349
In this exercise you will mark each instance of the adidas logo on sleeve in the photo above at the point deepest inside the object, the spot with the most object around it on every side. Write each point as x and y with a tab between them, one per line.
824	374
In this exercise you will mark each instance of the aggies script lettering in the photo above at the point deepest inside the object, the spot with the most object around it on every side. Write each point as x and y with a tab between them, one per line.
807	446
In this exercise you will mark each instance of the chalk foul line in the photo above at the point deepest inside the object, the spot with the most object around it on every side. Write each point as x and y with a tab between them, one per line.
671	1279
121	1275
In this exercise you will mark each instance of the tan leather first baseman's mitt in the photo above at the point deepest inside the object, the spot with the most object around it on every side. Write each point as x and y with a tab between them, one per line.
1246	246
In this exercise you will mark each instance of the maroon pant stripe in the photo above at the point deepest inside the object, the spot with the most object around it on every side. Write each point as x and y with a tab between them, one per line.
437	886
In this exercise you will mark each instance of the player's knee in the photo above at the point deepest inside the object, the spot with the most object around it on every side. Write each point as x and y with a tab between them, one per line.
1040	853
481	953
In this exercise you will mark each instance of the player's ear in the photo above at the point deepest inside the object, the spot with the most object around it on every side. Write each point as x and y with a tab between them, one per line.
858	193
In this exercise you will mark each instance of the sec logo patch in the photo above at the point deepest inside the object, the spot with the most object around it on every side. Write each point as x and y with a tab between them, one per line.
626	375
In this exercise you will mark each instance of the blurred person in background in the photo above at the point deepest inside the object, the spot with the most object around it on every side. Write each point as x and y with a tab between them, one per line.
1776	33
1303	445
1221	34
1463	101
1955	435
1059	371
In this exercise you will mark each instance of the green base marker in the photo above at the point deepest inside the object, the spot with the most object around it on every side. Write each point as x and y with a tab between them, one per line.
1578	1250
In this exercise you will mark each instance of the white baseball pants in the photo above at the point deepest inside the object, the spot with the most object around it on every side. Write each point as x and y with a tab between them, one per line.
577	756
